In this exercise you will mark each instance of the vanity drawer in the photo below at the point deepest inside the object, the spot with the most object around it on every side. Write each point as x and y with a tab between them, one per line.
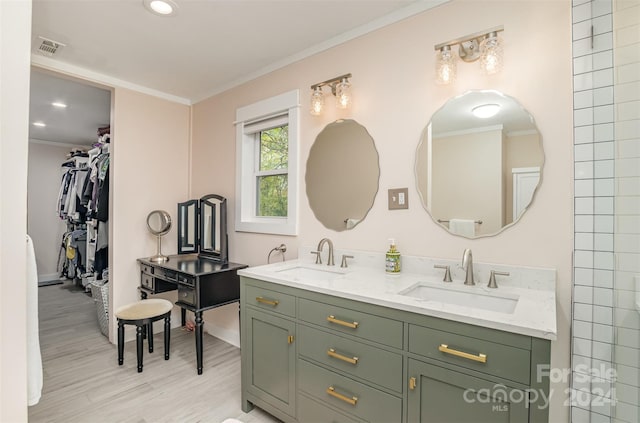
271	300
186	279
146	269
187	295
352	357
146	281
311	411
482	355
348	395
367	326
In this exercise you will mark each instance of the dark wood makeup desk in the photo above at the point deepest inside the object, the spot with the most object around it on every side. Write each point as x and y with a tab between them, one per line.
202	284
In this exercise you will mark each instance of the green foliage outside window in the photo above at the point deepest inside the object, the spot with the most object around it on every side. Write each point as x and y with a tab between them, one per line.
274	156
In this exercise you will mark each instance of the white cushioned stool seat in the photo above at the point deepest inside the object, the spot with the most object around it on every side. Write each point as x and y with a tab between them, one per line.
144	309
142	314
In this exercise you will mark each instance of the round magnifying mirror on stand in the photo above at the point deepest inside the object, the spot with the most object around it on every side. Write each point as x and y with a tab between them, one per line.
159	224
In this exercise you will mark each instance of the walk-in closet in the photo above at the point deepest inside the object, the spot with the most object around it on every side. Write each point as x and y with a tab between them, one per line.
70	141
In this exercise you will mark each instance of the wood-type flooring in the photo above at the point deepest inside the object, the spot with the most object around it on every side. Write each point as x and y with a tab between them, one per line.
83	382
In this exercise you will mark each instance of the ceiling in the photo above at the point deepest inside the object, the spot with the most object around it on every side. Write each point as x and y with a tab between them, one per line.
456	114
88	108
207	47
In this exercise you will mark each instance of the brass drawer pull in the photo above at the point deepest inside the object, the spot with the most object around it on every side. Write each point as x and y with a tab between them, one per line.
412	383
332	353
482	358
352	325
331	391
268	302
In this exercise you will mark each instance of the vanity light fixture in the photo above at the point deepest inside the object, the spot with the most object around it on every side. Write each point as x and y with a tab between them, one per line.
340	88
491	57
317	101
39	124
485	111
485	46
446	66
59	105
161	7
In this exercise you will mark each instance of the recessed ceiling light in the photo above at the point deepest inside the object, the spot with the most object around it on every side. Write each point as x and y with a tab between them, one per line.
59	105
40	124
161	7
485	111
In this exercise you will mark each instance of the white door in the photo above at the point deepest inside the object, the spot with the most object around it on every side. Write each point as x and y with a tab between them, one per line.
525	181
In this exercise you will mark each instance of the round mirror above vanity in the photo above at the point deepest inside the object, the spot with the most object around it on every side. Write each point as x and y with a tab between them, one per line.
342	175
479	163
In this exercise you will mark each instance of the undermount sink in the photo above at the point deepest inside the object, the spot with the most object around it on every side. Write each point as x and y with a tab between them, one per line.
490	302
303	272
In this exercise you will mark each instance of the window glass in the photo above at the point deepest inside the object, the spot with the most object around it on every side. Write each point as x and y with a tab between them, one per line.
272	177
272	196
274	148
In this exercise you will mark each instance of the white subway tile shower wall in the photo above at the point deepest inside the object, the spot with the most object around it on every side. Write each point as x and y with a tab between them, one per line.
606	324
593	122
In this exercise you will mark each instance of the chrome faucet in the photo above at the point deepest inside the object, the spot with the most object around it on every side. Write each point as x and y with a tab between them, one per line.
467	264
330	255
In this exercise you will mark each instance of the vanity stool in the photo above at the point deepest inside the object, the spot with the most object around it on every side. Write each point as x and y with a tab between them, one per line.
142	314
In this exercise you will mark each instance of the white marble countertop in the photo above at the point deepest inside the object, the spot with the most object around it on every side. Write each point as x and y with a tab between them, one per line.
365	280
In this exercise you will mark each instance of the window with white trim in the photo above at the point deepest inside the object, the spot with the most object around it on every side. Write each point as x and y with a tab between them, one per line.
267	166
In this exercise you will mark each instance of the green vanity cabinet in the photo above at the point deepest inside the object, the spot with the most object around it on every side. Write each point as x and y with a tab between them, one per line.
309	357
441	395
268	360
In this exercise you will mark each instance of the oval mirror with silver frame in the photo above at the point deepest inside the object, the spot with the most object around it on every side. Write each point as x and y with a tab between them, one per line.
342	175
479	163
159	224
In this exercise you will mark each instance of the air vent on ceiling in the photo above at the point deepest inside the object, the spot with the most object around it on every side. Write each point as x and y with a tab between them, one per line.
48	47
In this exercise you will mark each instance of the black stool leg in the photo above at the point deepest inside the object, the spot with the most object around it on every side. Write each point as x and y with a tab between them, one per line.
120	343
167	335
149	327
139	346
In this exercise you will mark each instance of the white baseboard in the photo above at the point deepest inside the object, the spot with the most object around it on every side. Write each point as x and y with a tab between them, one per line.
48	277
230	336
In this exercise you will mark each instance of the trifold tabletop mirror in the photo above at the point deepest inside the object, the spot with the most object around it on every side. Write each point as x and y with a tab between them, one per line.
202	227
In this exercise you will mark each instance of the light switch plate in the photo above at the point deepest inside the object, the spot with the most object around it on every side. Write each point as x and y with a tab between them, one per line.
398	198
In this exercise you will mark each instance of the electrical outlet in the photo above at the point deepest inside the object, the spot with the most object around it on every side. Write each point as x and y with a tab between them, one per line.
398	198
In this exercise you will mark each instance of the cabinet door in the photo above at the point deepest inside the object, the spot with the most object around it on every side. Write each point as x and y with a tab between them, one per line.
439	395
271	375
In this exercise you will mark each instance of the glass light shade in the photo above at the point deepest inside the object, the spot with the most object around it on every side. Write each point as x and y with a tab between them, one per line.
317	101
445	66
491	57
486	111
343	94
161	7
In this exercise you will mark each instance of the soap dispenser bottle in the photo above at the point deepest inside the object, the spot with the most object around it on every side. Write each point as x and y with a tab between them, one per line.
392	259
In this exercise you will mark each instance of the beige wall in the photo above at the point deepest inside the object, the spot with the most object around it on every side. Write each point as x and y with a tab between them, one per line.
149	171
43	224
394	96
15	39
467	179
521	151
